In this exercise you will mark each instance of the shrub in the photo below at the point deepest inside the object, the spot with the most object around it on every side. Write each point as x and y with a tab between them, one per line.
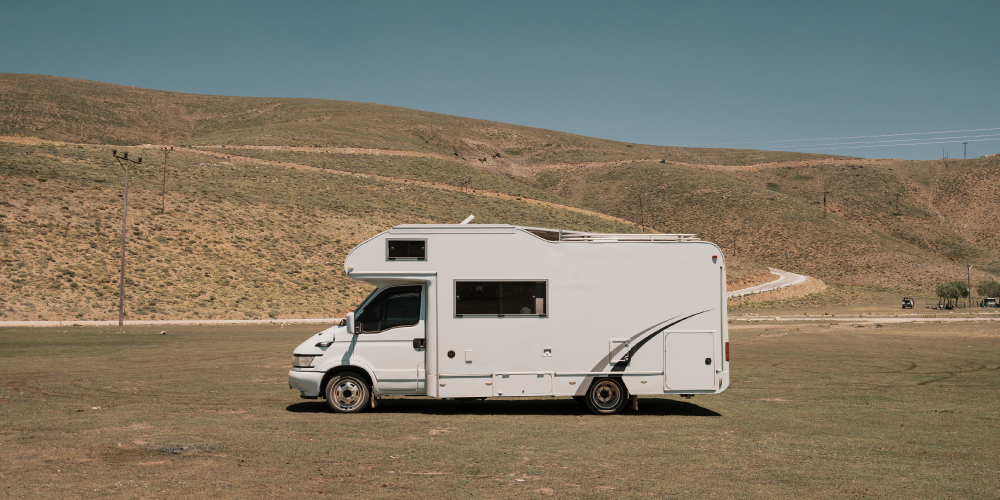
988	288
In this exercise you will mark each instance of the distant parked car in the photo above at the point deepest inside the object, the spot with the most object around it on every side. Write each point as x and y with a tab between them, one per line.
989	302
907	302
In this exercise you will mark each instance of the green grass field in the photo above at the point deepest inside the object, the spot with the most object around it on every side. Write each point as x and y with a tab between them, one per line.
828	410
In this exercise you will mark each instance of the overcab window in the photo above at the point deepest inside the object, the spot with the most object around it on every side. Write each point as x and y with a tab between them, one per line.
406	249
500	298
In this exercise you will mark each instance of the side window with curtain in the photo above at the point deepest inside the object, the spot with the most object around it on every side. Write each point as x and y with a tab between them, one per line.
501	298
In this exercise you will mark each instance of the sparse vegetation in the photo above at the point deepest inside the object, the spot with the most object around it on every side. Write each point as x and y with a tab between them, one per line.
406	167
255	240
815	410
988	288
857	237
238	240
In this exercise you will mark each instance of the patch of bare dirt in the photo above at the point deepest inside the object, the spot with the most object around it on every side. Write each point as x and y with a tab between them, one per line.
435	185
29	141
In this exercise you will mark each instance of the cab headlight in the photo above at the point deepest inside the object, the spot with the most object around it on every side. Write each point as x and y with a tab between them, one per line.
302	361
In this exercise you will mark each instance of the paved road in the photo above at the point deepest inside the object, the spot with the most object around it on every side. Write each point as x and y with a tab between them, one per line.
328	321
785	278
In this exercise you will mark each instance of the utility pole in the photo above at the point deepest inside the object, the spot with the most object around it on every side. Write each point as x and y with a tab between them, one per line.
163	191
641	220
968	284
965	146
852	276
126	164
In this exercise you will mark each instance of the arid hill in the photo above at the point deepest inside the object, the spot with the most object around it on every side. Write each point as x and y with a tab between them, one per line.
264	197
71	110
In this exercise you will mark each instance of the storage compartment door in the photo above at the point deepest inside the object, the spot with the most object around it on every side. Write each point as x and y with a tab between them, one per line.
689	361
523	384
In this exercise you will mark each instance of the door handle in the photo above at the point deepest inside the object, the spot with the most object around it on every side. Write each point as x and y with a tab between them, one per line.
419	343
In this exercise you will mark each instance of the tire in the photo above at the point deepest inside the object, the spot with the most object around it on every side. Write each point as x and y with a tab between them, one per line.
606	396
348	393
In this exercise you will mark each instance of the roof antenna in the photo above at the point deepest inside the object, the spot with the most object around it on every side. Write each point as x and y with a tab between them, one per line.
468	219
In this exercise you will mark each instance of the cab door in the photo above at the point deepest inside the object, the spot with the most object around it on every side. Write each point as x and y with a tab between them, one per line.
391	339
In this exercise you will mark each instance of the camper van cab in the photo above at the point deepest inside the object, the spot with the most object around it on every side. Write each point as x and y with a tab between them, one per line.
495	310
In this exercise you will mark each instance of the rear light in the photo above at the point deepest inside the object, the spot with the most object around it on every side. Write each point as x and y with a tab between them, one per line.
727	351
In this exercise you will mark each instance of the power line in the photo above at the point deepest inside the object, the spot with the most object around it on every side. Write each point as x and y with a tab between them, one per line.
893	142
906	144
850	137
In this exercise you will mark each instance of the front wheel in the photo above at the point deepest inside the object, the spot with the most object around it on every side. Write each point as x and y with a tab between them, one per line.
348	393
606	396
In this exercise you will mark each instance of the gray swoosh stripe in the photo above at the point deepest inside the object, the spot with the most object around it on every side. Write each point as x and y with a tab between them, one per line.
620	366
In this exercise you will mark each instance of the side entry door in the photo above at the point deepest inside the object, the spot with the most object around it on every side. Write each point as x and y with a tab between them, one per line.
690	360
391	341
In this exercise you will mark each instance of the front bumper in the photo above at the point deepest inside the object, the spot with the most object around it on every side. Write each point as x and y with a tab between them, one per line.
307	383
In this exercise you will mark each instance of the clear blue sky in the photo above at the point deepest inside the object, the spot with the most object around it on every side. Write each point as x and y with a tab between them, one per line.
669	73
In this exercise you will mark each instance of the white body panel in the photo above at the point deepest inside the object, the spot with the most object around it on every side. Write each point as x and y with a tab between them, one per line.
650	312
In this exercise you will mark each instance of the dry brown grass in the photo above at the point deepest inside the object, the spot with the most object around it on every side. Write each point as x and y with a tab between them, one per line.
818	410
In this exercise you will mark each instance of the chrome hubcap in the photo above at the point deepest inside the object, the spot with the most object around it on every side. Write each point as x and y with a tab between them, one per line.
348	394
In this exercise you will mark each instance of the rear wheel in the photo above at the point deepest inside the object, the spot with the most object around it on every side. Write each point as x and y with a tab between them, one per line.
348	392
606	396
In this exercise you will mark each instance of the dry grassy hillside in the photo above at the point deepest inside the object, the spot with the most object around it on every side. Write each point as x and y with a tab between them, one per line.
967	194
948	209
269	194
774	215
73	110
238	240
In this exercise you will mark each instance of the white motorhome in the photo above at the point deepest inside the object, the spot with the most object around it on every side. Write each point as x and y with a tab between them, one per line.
495	310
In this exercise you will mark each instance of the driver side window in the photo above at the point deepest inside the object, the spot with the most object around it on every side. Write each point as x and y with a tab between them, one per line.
371	318
395	307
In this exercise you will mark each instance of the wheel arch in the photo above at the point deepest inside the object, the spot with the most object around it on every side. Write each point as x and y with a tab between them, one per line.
337	370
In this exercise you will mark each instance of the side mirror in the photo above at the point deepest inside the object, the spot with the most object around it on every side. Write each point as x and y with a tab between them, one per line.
350	322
